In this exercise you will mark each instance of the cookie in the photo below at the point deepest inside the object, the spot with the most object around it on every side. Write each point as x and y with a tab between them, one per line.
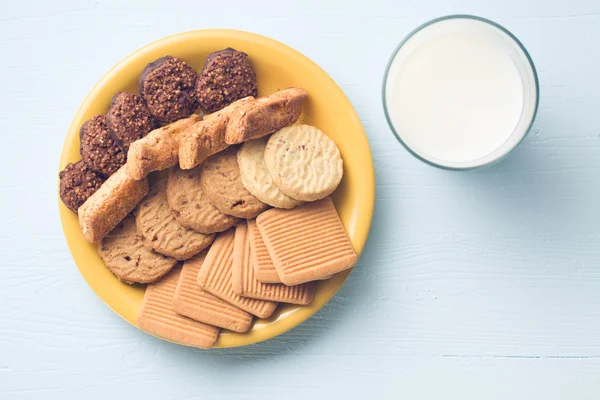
307	243
158	318
265	115
191	207
304	163
214	276
191	301
257	180
158	150
110	204
128	119
161	232
207	137
264	270
77	184
98	149
222	184
245	283
227	76
124	254
167	88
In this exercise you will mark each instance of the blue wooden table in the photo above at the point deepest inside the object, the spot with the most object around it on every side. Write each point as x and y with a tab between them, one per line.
473	285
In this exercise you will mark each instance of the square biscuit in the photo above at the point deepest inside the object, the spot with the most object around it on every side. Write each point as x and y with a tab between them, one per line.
306	243
245	283
193	302
214	276
158	318
264	270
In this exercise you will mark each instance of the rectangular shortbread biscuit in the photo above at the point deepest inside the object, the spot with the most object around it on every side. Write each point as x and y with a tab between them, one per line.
264	270
306	243
193	302
214	276
158	318
245	283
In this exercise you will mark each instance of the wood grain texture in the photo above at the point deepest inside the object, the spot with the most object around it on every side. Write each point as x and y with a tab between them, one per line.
483	284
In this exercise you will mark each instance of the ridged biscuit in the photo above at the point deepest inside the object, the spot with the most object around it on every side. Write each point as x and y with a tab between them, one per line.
191	207
115	199
161	232
265	115
257	179
307	243
158	150
222	184
245	284
264	270
158	318
206	137
214	276
193	302
304	163
124	254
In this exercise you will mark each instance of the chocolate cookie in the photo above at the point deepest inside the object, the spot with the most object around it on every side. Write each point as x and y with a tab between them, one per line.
190	206
161	232
221	182
77	183
167	88
124	254
226	77
128	119
98	149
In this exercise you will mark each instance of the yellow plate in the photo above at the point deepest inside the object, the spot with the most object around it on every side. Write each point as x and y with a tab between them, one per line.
277	66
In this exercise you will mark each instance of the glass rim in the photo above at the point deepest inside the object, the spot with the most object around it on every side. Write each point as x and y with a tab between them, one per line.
420	28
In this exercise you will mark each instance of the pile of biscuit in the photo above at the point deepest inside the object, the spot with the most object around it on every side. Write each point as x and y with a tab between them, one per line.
242	199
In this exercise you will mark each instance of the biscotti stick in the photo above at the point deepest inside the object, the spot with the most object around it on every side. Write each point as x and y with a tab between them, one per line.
158	150
206	137
265	115
115	199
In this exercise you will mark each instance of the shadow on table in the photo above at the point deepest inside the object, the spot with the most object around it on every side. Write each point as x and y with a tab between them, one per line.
531	187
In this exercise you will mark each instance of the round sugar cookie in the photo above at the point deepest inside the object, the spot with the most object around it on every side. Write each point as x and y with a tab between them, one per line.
257	179
191	207
161	232
221	182
125	255
304	163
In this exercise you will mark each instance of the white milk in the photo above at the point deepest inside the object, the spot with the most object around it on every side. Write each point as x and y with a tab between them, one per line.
460	93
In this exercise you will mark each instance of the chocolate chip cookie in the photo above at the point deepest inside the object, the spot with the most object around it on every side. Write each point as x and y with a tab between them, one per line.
123	252
221	182
161	232
191	207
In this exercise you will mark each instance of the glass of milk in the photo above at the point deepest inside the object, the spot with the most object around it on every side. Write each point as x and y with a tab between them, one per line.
460	92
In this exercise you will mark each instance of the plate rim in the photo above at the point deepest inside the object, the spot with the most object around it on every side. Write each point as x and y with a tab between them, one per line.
367	208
